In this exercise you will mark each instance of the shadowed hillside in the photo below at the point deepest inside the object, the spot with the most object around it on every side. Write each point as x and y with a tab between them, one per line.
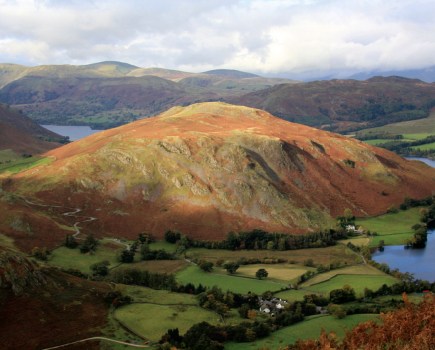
21	135
346	105
211	168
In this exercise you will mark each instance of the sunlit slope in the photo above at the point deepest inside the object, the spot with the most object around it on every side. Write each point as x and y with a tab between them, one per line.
211	168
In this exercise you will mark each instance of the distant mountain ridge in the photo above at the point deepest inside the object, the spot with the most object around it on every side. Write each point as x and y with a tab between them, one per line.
345	105
109	94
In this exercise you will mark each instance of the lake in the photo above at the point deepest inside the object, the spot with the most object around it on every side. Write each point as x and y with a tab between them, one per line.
73	132
420	262
429	162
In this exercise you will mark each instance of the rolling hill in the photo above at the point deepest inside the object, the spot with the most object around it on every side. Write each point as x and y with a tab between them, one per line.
345	105
211	168
109	94
20	134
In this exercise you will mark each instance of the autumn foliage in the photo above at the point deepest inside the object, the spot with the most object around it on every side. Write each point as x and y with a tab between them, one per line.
409	328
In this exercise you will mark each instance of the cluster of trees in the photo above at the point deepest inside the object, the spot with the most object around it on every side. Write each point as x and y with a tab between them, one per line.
383	135
259	239
89	244
145	279
409	147
206	336
117	299
142	244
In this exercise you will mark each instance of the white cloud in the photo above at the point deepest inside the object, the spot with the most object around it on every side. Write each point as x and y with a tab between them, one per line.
269	36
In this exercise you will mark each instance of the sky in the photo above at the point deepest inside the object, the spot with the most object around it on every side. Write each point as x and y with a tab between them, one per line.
270	37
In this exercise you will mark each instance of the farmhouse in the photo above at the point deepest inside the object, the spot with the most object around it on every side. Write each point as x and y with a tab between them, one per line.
272	306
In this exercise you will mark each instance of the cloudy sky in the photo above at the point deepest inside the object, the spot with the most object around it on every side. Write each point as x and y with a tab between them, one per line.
264	36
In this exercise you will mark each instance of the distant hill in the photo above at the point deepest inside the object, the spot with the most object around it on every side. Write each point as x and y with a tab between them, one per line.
211	168
231	73
426	74
22	135
345	105
108	94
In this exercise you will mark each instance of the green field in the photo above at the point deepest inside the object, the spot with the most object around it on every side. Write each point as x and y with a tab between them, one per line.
171	248
425	147
148	295
318	255
350	270
152	321
23	164
278	272
308	329
72	258
394	229
376	142
357	282
221	279
425	127
293	294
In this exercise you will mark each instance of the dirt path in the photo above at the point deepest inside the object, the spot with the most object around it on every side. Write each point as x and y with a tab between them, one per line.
98	338
72	213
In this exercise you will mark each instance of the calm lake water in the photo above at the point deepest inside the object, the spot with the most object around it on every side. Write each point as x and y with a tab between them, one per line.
420	262
74	132
429	162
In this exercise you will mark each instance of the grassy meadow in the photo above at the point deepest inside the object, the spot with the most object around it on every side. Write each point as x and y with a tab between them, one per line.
392	228
235	283
152	320
357	282
20	164
308	329
72	258
318	255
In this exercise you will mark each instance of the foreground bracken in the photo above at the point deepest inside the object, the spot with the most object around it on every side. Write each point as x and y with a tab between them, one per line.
409	328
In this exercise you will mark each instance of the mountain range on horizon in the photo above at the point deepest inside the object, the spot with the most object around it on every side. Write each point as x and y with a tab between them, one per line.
108	94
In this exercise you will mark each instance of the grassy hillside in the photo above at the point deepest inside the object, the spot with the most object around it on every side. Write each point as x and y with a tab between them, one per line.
410	138
346	105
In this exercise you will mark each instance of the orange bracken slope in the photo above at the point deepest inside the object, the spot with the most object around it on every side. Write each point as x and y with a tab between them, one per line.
211	168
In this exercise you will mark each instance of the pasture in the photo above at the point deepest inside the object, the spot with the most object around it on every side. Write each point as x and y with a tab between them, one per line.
152	320
221	279
357	282
72	258
308	329
350	270
318	255
279	272
393	228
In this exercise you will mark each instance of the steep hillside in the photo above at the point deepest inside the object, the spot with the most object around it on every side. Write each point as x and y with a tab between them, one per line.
21	135
211	168
42	307
345	105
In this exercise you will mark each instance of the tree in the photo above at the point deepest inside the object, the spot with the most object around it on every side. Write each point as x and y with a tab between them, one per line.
127	256
337	311
206	266
261	273
100	268
40	253
231	267
172	236
71	242
89	244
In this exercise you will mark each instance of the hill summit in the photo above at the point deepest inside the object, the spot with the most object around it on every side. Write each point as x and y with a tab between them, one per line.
211	168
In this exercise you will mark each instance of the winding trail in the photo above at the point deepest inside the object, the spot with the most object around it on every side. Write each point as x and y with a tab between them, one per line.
98	338
72	213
